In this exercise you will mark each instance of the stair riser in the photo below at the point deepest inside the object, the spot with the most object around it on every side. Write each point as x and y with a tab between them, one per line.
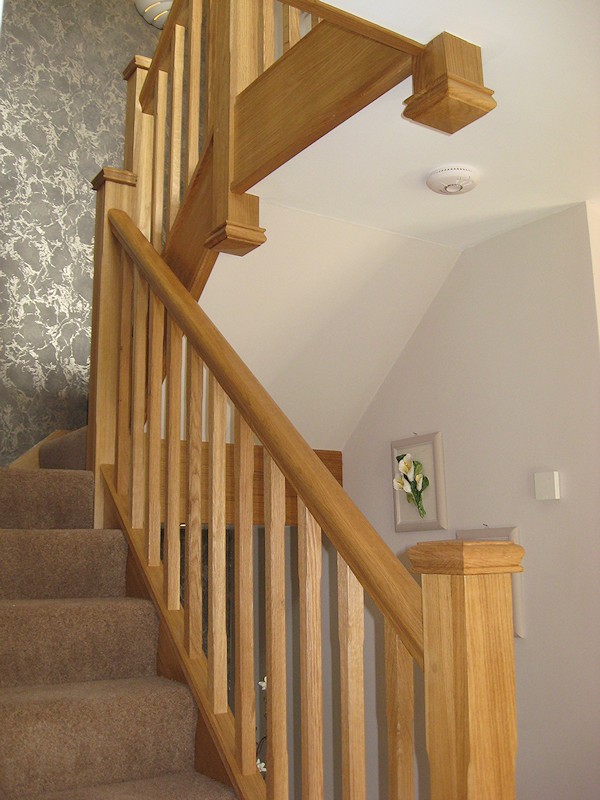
46	499
62	641
59	564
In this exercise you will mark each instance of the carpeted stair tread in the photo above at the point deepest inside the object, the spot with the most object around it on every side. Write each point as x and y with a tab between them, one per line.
181	786
38	564
69	736
42	498
62	641
65	452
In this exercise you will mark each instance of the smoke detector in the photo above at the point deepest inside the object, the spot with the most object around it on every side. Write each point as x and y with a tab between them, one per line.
453	179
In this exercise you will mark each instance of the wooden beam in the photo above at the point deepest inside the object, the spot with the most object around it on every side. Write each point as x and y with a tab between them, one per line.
327	77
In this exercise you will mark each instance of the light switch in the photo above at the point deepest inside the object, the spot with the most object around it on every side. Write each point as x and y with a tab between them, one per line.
547	486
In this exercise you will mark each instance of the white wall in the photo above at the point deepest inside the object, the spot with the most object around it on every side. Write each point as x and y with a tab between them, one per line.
343	300
506	364
593	212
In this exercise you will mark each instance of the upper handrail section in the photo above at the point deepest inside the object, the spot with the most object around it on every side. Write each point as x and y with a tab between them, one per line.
390	585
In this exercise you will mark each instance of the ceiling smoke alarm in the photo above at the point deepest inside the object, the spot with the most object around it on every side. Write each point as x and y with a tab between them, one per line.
453	179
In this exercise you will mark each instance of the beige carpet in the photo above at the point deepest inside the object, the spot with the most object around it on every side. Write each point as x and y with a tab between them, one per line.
83	714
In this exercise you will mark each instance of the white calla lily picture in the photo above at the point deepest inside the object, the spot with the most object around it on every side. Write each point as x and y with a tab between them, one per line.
418	483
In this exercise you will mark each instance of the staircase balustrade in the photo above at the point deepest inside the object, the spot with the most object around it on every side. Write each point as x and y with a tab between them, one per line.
194	145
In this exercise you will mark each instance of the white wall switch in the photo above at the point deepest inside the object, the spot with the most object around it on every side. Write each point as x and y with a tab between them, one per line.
504	535
547	486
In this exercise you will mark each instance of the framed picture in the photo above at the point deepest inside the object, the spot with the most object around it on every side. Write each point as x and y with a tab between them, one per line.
419	486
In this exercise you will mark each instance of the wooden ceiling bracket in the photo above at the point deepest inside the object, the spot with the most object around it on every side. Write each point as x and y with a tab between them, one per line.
448	90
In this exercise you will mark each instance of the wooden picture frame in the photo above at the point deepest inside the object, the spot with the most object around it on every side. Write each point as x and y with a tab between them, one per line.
429	452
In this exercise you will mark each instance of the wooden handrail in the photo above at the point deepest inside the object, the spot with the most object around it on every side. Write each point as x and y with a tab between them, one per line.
390	585
354	24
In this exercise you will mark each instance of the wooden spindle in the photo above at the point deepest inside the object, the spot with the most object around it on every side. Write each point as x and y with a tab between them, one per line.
277	755
311	669
217	548
158	165
194	86
245	710
138	399
124	399
351	636
156	329
268	22
291	27
172	543
193	531
177	70
400	713
314	21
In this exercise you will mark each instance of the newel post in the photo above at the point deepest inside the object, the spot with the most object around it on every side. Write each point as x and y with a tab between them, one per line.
469	667
114	189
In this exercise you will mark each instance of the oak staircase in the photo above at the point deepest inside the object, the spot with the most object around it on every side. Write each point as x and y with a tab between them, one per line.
235	89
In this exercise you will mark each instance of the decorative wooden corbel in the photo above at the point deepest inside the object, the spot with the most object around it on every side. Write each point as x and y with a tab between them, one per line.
448	85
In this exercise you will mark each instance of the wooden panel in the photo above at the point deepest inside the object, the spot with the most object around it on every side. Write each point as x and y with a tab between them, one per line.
194	32
177	69
277	755
268	18
311	669
245	711
217	580
291	27
156	479
172	544
124	400
391	586
332	459
138	399
193	532
322	81
400	715
251	787
362	27
158	162
351	625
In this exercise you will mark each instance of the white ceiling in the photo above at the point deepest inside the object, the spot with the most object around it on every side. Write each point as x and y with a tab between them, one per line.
538	151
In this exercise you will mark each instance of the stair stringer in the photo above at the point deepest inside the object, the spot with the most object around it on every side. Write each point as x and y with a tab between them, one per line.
215	734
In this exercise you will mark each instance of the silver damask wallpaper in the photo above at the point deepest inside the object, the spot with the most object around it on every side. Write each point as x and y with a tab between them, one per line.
62	102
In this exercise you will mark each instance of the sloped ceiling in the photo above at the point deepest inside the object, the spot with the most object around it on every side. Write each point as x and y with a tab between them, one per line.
358	246
321	311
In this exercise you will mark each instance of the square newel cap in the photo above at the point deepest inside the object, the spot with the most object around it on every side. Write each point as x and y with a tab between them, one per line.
456	557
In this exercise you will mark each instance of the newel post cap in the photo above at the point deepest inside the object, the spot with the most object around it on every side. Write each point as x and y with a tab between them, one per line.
457	557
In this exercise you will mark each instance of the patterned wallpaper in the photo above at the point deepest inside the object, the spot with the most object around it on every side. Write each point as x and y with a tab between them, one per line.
62	104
